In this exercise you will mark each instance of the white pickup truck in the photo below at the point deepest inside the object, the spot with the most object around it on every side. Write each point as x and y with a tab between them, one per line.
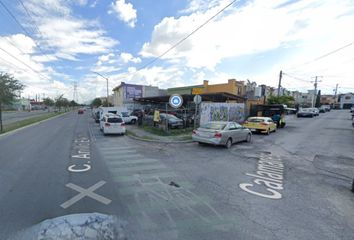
127	118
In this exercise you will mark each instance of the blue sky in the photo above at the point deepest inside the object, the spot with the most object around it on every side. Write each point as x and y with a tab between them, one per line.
66	40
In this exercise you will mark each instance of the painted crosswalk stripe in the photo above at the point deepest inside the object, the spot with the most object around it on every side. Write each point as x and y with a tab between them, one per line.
122	156
124	162
133	178
115	148
158	188
121	169
118	152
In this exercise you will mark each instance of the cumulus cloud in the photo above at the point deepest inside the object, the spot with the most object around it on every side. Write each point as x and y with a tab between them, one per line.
125	12
127	57
304	29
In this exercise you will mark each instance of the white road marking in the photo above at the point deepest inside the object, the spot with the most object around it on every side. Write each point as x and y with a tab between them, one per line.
89	192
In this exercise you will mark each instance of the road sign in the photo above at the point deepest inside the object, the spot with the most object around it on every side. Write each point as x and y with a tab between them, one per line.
197	99
176	101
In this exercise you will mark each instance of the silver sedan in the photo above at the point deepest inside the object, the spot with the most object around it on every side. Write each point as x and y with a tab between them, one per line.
221	133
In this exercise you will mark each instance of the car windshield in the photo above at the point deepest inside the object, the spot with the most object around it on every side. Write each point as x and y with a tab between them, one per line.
125	114
214	126
255	120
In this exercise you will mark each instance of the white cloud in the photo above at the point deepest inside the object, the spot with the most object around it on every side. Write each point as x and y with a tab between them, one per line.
65	35
127	57
303	29
125	12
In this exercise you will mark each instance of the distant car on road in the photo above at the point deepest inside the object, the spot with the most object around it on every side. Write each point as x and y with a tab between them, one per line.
173	121
352	109
260	124
81	111
305	112
221	133
112	124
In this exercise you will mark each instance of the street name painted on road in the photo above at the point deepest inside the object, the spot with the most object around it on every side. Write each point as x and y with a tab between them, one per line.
269	177
81	152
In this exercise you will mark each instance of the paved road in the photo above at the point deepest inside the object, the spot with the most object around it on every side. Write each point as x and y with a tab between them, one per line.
11	117
293	184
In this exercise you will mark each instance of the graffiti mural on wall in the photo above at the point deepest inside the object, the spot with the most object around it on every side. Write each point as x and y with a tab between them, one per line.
222	112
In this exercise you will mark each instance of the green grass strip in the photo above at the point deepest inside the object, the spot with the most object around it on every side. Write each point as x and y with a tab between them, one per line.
29	121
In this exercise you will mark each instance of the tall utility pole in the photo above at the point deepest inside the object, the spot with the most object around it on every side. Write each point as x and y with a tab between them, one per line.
107	84
335	95
279	84
315	92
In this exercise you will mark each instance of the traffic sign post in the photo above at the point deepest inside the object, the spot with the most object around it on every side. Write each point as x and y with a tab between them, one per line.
197	100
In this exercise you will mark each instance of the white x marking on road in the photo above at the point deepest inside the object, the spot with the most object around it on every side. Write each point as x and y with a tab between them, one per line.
89	192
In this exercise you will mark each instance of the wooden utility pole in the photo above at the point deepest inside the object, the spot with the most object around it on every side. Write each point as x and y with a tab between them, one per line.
279	84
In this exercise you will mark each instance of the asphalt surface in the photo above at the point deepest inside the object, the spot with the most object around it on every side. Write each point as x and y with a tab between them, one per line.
15	116
185	191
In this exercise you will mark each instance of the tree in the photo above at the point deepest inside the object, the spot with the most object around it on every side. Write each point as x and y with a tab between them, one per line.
286	100
318	99
48	102
61	102
73	103
9	86
96	102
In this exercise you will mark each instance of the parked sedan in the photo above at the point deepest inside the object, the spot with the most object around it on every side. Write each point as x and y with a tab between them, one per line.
261	124
305	112
221	133
173	121
316	111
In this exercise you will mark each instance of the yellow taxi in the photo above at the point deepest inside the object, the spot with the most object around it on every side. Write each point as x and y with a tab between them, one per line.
260	124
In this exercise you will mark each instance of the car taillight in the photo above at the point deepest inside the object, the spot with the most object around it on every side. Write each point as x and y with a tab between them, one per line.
107	124
218	135
194	132
122	124
263	123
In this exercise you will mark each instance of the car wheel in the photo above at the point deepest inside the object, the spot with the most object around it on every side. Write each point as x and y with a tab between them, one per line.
228	143
268	131
249	138
133	121
275	129
200	143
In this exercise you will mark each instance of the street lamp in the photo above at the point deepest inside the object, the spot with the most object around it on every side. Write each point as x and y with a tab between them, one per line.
107	85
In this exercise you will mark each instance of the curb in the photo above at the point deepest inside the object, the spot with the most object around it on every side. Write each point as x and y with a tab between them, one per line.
30	125
157	141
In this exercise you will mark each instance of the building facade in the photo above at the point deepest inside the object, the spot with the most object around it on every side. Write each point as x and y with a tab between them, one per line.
346	101
125	93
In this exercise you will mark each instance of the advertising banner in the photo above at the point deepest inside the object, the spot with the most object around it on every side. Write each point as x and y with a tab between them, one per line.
133	91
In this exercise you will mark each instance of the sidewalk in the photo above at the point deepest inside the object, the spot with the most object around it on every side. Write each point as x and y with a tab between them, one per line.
139	133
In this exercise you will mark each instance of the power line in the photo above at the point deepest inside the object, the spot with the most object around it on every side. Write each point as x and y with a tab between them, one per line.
30	16
297	78
22	27
186	37
9	63
24	63
325	55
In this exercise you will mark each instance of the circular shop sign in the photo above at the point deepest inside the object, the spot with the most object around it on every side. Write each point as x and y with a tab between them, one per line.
176	100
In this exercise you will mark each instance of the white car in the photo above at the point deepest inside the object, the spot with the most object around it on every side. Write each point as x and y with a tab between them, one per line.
112	124
128	118
316	111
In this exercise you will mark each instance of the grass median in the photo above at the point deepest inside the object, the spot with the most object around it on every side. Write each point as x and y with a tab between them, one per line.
171	132
29	121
